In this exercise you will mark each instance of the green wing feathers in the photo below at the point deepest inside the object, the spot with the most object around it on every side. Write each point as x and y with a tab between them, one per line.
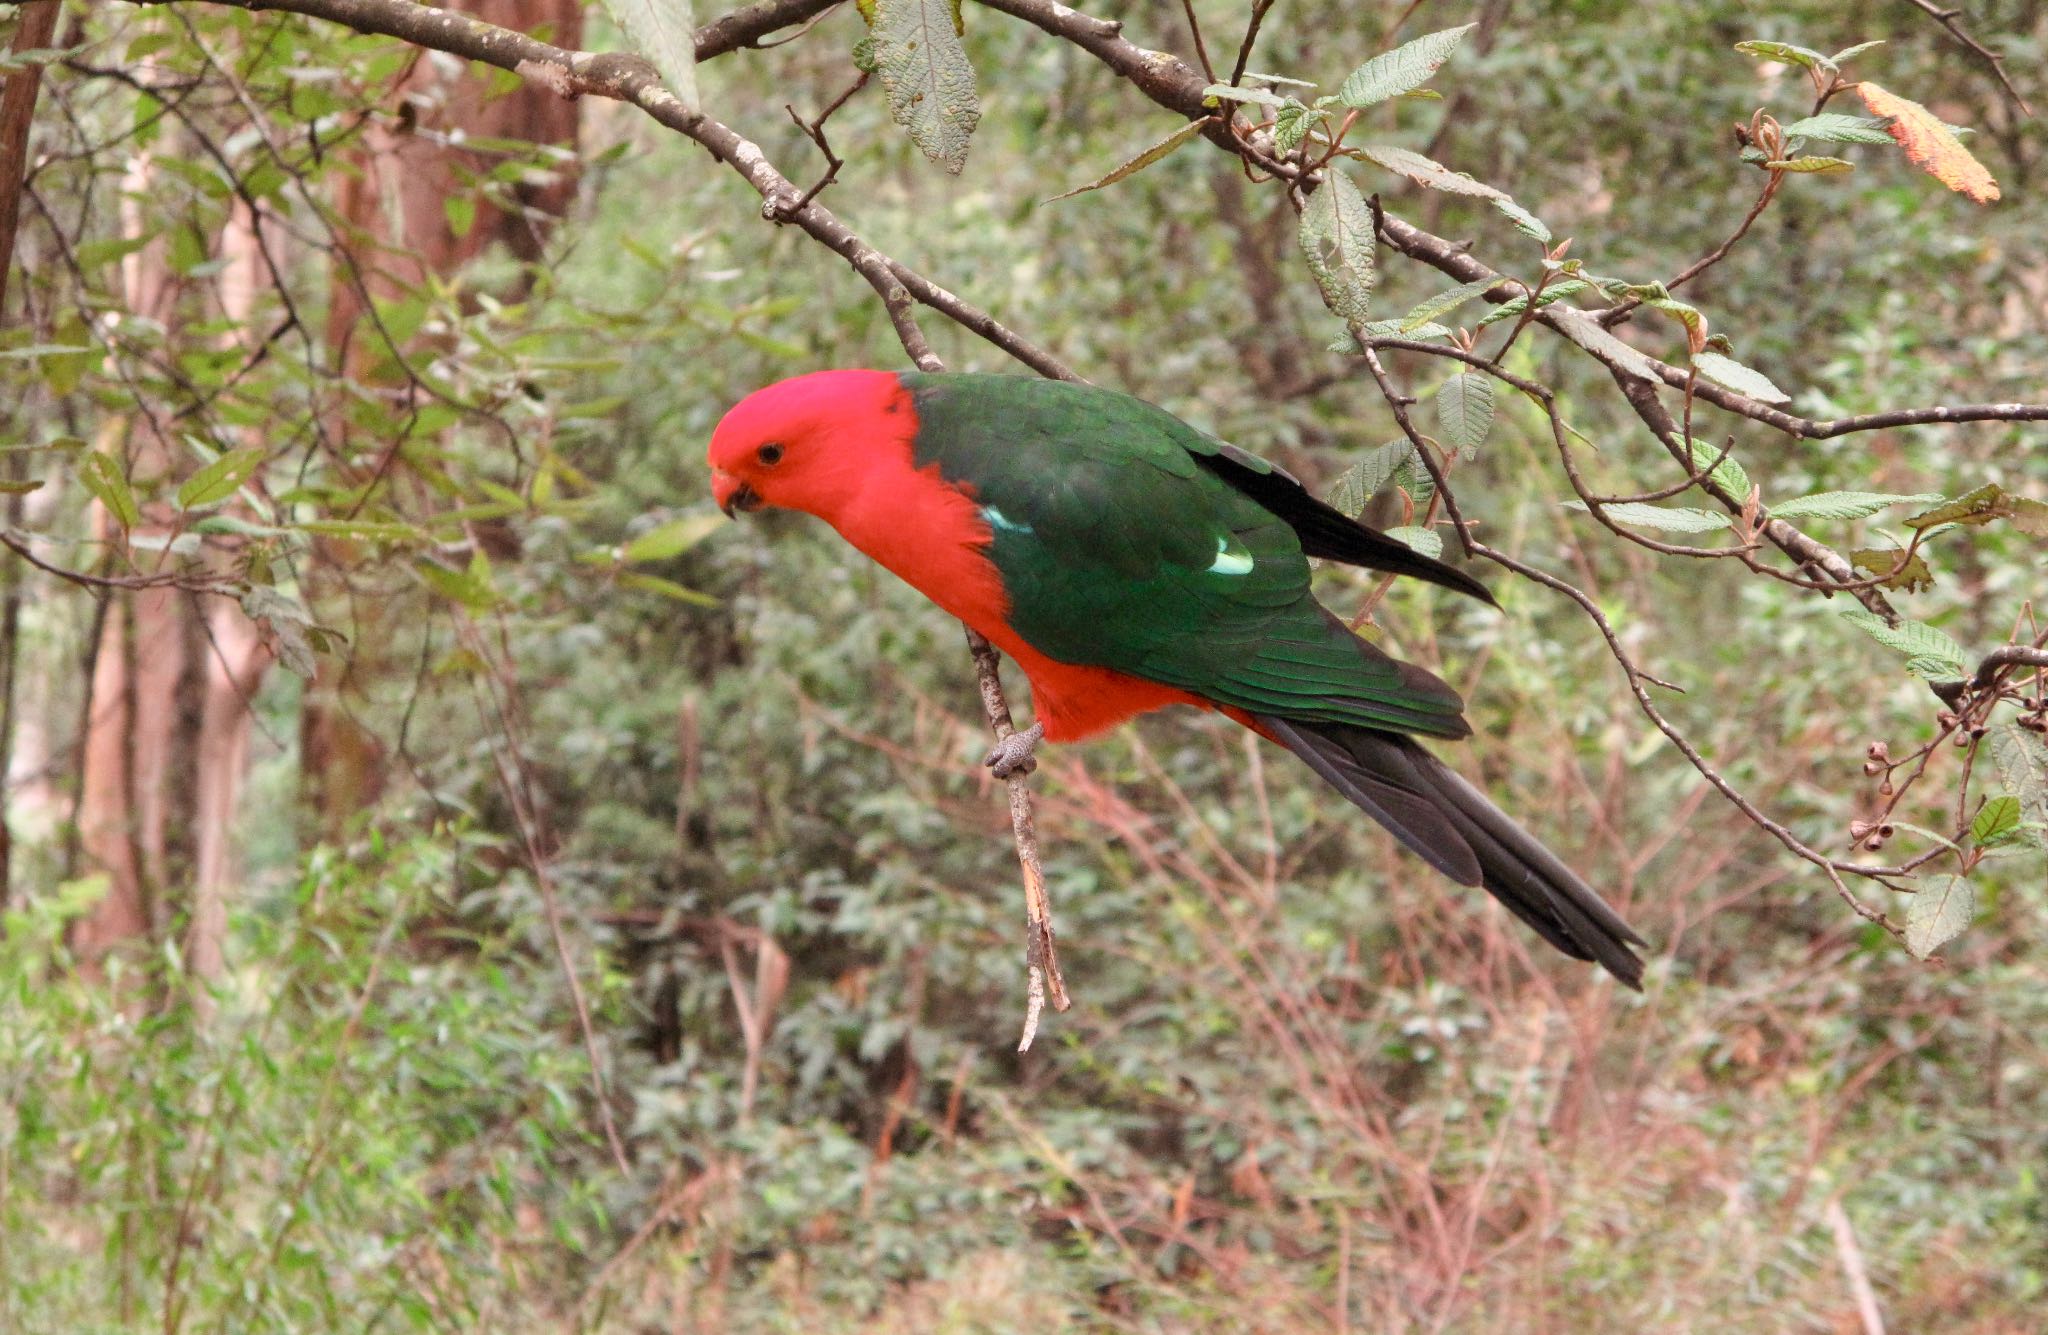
1121	548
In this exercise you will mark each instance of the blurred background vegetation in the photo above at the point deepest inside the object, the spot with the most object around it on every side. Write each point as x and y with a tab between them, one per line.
454	880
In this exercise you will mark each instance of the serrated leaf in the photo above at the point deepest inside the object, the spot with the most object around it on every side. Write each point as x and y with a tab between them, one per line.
1939	914
2029	517
1363	480
1279	80
1424	540
1443	303
671	539
1412	476
1688	315
1784	53
1406	67
1337	237
927	76
1847	52
1727	474
1981	506
1527	223
1731	374
1930	143
1291	125
1997	822
1910	575
665	32
220	479
2022	760
1427	171
1139	163
1514	306
287	620
1832	127
102	475
1225	92
1931	654
1395	329
1846	504
1811	166
1464	410
1664	518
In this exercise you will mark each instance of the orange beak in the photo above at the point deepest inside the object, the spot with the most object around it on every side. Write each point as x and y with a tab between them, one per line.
732	494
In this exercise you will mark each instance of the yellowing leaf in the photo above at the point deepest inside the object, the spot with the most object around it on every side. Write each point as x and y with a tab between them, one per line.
1929	144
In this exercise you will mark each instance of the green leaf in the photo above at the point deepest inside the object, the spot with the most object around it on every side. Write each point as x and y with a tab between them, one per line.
1226	92
1811	166
1443	303
1784	53
1728	474
1405	67
2029	517
1363	480
1428	171
1392	329
665	32
1731	374
1337	237
364	530
13	487
1842	56
1997	822
460	210
1832	127
1291	125
1981	506
1938	914
924	69
1664	518
102	475
288	621
1846	504
1931	654
1141	162
1514	306
2022	760
220	479
1424	540
1527	223
1912	575
1464	410
671	539
667	588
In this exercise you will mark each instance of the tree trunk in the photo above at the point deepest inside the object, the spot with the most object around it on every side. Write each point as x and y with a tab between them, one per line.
406	172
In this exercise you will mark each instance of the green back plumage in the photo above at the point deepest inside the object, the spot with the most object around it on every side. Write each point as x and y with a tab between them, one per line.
1121	546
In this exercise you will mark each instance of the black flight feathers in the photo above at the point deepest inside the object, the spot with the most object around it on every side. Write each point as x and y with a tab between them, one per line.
1327	533
1454	828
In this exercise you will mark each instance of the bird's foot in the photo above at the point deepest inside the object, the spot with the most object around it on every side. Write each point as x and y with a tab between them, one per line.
1017	753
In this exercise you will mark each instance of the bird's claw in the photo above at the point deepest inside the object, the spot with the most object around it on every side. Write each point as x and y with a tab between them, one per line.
1017	753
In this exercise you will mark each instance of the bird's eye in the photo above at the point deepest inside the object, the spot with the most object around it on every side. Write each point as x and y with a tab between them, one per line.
769	454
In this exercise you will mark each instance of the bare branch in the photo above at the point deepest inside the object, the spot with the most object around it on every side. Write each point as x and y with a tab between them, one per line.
1947	19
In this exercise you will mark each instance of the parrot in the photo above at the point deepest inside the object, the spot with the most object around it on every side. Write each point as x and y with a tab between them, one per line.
1126	561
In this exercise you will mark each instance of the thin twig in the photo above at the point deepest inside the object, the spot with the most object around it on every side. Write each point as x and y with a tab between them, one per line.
1947	19
1040	956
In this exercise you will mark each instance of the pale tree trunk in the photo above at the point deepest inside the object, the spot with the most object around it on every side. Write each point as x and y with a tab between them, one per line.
130	747
34	25
405	174
235	663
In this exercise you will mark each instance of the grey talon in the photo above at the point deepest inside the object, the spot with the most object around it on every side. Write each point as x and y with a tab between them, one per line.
1017	753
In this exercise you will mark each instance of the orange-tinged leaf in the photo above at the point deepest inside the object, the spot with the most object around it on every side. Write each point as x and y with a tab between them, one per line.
1928	142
